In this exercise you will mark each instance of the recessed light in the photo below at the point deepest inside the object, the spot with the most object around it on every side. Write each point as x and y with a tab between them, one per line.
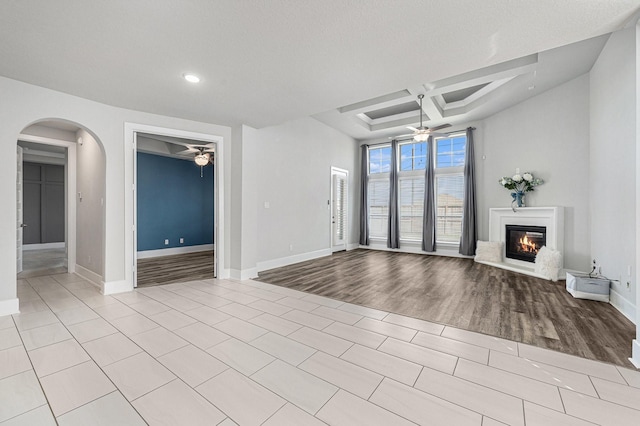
191	78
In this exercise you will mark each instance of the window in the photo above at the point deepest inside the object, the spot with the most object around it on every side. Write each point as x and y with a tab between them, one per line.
379	168
449	155
413	161
380	160
449	186
450	151
413	156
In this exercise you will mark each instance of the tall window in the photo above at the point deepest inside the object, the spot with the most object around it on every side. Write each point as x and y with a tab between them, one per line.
449	187
413	160
379	168
449	155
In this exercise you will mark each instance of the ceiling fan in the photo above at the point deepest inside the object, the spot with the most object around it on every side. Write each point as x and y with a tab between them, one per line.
422	133
203	156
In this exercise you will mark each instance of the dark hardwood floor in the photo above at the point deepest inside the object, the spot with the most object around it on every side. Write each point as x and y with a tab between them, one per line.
176	268
467	295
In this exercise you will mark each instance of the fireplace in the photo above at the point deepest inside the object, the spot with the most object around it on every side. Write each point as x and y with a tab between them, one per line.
523	242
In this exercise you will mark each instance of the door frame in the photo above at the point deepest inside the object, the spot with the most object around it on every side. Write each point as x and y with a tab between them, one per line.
69	192
130	136
334	171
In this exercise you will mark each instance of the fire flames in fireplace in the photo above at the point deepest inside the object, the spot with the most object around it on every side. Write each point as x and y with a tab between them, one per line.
527	246
524	242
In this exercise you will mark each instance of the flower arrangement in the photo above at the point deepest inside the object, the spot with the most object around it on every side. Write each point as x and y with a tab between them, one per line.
520	184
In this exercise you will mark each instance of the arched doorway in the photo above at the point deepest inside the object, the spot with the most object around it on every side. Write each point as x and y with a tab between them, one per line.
63	165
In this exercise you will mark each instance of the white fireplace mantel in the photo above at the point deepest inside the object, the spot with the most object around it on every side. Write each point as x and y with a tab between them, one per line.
550	217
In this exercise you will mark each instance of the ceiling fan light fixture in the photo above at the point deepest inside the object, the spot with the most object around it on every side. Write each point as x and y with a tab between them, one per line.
421	137
202	159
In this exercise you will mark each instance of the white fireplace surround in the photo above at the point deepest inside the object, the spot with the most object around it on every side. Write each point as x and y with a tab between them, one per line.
552	218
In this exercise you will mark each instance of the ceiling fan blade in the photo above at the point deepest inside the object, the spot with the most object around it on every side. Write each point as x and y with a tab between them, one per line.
442	126
412	128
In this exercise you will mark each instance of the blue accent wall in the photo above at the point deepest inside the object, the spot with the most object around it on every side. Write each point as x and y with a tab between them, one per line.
173	202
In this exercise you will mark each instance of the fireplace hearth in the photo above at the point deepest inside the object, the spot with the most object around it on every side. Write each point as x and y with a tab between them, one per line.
523	242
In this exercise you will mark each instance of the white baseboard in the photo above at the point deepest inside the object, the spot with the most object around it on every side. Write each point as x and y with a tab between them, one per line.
43	246
635	353
296	258
244	274
9	307
353	246
174	250
88	275
114	287
625	307
416	248
223	274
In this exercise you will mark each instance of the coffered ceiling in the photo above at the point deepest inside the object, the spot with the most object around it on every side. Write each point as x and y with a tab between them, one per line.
464	98
264	62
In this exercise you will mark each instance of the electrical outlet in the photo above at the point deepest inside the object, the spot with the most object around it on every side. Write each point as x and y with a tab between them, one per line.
166	242
181	240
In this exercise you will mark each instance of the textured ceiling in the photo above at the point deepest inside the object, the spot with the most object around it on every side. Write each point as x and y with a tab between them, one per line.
266	62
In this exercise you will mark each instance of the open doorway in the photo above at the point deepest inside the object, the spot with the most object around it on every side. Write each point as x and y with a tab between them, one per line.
175	210
63	165
42	185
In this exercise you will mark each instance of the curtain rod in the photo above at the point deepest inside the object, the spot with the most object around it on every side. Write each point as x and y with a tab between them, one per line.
411	137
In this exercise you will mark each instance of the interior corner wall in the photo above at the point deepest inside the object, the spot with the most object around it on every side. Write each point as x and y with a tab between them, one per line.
612	166
290	172
547	135
90	204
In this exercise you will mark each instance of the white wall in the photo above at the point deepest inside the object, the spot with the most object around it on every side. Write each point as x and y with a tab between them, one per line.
50	132
289	166
243	197
90	190
613	164
23	104
547	135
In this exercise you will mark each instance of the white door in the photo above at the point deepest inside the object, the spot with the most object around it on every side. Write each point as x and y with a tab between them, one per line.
19	215
339	218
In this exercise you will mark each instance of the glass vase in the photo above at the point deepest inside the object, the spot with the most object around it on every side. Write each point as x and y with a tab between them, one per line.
518	199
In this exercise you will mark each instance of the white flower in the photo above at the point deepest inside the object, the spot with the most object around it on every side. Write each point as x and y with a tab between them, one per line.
517	178
528	177
503	182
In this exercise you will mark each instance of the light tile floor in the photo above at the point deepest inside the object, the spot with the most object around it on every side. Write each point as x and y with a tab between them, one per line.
247	353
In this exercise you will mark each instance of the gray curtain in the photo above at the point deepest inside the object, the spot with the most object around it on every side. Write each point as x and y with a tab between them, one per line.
429	212
364	188
393	228
469	228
